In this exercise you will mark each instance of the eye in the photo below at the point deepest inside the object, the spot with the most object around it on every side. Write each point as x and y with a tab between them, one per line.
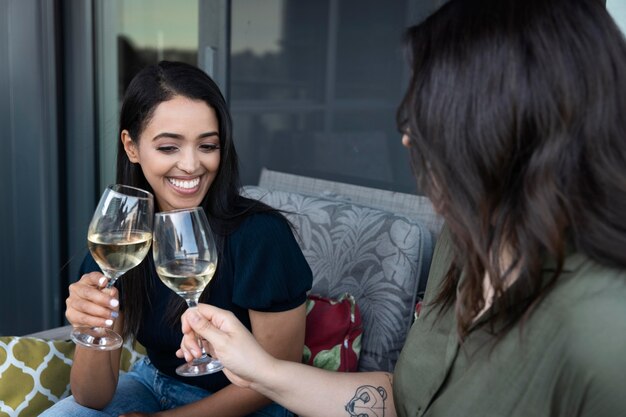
167	149
209	147
365	397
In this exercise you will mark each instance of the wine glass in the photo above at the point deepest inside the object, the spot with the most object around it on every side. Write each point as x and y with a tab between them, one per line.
185	257
119	238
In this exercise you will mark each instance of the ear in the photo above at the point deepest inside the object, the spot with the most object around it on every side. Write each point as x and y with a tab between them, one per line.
382	392
130	147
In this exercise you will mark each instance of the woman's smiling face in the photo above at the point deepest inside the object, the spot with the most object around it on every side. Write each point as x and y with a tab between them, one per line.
179	152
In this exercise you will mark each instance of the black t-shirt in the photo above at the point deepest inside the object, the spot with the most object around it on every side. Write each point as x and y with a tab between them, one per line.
262	268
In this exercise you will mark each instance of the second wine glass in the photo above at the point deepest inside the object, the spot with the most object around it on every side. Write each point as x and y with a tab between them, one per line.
185	257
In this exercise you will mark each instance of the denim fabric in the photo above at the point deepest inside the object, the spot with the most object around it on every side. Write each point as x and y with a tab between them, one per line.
145	389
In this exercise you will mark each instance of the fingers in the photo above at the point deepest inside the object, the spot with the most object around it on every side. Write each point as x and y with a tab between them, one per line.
194	326
221	319
189	348
204	323
89	305
228	340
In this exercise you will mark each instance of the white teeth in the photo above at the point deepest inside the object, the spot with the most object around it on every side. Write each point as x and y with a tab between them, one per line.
185	183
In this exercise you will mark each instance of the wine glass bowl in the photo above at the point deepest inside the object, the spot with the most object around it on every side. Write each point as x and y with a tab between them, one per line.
118	238
185	257
187	277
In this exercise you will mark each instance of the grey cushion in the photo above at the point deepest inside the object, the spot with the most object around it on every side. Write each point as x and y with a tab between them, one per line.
412	206
375	255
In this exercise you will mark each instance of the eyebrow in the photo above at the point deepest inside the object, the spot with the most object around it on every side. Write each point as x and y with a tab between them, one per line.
180	137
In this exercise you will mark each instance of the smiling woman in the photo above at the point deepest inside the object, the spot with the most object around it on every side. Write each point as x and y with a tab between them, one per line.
175	140
178	151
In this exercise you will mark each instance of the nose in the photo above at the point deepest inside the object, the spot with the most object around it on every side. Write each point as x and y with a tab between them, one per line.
188	161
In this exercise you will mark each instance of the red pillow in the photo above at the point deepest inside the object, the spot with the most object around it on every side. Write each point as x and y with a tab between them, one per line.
333	333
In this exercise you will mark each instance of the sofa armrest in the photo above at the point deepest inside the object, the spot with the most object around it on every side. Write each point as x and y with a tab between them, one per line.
57	333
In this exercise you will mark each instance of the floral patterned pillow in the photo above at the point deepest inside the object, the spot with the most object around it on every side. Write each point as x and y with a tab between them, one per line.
333	333
377	256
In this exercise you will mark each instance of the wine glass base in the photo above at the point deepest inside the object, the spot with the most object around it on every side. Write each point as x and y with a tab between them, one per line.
199	367
99	338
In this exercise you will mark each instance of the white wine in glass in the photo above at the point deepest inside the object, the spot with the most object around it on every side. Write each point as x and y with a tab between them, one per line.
185	257
187	277
119	238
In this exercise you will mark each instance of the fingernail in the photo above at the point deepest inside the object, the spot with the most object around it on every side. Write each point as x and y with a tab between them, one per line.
114	314
101	281
114	302
109	322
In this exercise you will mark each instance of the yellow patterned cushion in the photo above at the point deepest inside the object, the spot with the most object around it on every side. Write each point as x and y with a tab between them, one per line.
35	373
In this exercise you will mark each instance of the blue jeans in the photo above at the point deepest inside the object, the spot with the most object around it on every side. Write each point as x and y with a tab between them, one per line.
145	389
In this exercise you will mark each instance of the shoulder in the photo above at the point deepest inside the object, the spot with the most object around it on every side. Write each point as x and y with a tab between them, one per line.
591	304
261	230
262	223
596	327
591	297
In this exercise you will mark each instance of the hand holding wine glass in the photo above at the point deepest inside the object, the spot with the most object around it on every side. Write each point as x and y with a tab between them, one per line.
185	257
119	238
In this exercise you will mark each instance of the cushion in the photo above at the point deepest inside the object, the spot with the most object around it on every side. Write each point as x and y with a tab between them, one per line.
333	333
413	206
377	256
35	373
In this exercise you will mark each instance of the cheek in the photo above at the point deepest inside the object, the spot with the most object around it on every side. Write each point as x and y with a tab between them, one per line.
154	167
213	163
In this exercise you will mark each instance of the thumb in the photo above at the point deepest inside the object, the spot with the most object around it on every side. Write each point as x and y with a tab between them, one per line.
201	325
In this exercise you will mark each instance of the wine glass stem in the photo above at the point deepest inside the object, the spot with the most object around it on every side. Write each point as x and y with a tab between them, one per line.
112	277
193	304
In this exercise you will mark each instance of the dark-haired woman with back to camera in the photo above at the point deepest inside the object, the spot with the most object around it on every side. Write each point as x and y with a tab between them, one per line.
515	120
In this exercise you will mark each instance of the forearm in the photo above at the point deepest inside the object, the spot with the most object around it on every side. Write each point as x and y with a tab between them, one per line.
231	401
93	378
305	390
309	391
94	375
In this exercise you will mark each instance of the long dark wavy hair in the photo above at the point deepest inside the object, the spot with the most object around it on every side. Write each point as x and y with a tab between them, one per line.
224	206
515	114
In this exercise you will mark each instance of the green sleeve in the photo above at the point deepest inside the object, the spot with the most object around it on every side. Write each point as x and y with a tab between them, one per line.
596	352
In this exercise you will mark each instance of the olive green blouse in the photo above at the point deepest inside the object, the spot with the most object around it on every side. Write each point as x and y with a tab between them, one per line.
569	359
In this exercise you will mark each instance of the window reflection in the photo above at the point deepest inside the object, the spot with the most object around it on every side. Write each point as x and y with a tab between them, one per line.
313	84
152	30
130	35
617	9
278	51
314	89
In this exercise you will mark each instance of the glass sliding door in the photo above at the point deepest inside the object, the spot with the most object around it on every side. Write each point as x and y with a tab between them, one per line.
617	9
315	85
129	36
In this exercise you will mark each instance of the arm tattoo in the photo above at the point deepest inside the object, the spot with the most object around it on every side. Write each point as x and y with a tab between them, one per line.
368	401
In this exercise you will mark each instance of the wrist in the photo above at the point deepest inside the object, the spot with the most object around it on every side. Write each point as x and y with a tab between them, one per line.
262	380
